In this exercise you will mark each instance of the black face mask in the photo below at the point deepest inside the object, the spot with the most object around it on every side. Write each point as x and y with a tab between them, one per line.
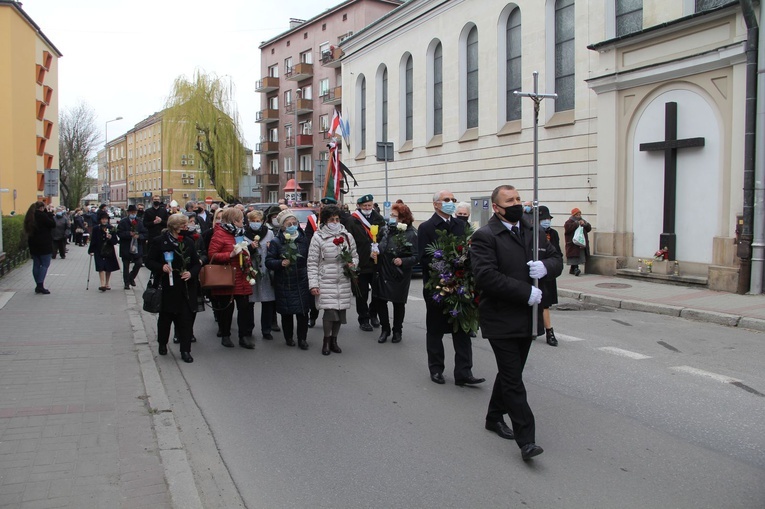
200	210
512	214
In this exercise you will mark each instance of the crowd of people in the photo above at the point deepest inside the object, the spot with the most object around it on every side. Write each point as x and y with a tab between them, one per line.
295	273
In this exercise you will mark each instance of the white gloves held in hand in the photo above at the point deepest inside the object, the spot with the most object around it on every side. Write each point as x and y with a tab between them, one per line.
537	270
536	296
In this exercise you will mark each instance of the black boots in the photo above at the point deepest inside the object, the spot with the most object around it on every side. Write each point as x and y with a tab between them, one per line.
302	344
325	345
551	339
247	342
333	345
383	336
226	341
396	337
575	270
289	341
41	289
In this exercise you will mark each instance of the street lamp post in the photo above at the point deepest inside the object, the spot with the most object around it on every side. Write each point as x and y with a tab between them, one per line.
107	188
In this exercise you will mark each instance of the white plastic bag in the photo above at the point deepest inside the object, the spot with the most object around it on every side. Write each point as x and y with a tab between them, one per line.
579	239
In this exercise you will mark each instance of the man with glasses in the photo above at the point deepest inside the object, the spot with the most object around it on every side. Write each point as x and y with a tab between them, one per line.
436	322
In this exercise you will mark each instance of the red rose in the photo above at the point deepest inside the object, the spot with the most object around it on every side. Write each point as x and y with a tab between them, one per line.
180	238
459	273
134	222
337	241
195	237
459	249
477	299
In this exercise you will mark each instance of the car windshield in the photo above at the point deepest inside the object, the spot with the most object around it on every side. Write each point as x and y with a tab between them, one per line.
302	215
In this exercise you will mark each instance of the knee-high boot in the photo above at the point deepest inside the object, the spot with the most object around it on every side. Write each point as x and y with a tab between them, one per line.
325	346
333	345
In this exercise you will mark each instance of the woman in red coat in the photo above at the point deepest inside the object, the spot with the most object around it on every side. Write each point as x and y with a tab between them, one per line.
576	255
223	250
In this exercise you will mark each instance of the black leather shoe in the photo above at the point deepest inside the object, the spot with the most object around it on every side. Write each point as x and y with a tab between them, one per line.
438	378
366	327
193	339
176	340
375	322
226	341
219	334
289	341
127	287
162	350
471	380
396	337
245	343
501	429
268	336
383	337
302	344
551	339
528	451
132	282
577	272
186	356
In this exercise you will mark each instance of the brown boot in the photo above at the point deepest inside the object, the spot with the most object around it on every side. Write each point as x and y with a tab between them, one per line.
333	345
325	346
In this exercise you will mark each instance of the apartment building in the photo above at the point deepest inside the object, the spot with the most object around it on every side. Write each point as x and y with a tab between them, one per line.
301	87
28	109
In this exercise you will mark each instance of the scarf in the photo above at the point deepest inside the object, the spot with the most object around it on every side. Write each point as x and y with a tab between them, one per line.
234	230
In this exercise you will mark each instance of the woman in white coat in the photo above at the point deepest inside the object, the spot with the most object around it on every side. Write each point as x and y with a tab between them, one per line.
328	273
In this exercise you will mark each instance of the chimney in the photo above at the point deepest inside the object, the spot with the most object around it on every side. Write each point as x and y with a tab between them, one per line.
294	22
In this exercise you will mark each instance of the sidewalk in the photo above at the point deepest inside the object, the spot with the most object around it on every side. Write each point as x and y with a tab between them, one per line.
84	419
746	311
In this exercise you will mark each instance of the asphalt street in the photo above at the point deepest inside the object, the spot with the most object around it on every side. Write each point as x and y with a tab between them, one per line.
633	410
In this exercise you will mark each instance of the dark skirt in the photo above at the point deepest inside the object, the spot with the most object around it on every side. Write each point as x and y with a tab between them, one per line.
109	264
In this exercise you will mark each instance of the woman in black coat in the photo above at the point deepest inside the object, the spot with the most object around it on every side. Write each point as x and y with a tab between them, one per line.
173	254
549	285
290	279
102	243
38	227
398	254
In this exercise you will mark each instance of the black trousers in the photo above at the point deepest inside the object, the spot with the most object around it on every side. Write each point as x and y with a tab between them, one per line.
127	274
398	314
59	246
365	309
184	327
226	315
288	326
509	393
267	310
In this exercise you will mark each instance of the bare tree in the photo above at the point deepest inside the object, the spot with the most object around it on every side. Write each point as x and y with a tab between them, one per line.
77	143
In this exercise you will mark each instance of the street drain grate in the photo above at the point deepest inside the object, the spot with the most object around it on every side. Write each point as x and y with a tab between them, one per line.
613	285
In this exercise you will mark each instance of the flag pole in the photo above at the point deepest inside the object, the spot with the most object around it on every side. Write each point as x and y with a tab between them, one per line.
537	98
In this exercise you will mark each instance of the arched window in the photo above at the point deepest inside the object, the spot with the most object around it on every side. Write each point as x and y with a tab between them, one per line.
438	90
363	115
385	105
381	111
565	55
409	105
513	65
471	72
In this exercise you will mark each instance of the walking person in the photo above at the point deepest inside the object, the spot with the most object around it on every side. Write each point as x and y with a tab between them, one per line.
263	291
360	226
38	227
223	250
173	260
79	227
576	255
101	249
398	254
287	257
328	273
549	285
501	255
273	225
60	233
155	220
436	322
132	236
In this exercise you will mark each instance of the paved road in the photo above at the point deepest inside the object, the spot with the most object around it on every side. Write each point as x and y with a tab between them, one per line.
633	410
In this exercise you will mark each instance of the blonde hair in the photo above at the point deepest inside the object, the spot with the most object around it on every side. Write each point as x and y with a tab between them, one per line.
254	215
231	214
216	216
176	222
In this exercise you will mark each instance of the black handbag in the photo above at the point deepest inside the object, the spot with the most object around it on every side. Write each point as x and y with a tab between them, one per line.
152	296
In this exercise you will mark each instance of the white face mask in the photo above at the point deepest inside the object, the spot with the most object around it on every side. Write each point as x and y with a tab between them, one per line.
366	213
333	227
275	222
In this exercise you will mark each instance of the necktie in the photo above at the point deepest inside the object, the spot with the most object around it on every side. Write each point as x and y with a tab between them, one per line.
515	230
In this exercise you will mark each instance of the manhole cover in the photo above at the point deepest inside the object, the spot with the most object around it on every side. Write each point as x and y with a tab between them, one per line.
613	285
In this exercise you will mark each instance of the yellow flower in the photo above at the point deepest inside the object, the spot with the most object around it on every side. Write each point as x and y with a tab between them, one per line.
287	236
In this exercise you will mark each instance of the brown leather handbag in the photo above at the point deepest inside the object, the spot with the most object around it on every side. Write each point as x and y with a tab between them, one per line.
218	277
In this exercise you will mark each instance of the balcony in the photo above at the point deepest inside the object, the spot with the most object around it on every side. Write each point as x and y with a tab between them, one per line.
305	177
303	141
335	96
267	147
300	72
267	116
269	179
268	84
331	58
304	106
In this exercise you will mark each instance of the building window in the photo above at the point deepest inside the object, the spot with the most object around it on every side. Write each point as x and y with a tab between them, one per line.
363	115
288	99
324	156
345	17
288	164
273	102
273	134
324	87
513	63
306	163
273	166
471	106
307	92
323	123
273	71
306	127
323	27
438	90
705	5
629	16
384	105
273	196
409	103
288	65
565	55
306	57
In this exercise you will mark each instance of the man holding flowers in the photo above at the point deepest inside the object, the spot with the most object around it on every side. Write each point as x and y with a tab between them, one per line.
132	235
438	318
364	224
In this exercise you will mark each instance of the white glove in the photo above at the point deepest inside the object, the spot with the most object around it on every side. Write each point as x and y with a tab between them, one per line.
537	270
375	247
536	296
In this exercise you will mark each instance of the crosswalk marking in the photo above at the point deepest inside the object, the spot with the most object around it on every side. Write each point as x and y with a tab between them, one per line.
700	372
624	353
566	337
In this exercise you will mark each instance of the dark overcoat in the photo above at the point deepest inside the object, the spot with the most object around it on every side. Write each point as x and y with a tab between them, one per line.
363	241
100	245
293	296
572	250
549	285
124	230
499	259
391	282
182	293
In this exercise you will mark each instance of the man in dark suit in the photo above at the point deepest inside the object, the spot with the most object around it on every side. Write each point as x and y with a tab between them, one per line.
436	322
155	220
501	254
130	228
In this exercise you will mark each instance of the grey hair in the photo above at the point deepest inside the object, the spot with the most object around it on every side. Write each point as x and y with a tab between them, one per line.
463	205
437	196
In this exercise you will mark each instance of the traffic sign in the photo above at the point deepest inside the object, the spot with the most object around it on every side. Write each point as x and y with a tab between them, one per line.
209	200
386	204
169	190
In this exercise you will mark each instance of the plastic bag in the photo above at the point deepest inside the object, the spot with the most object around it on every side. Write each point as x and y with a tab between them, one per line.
579	239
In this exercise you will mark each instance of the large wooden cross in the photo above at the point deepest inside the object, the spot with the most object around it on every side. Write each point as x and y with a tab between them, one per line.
669	146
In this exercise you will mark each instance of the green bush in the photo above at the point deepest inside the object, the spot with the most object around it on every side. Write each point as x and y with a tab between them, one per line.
14	240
